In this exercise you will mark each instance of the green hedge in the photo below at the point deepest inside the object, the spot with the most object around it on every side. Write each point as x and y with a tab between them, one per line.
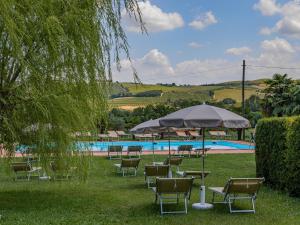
293	158
278	153
270	151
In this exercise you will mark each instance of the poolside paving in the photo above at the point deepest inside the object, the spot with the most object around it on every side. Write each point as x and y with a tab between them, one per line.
214	151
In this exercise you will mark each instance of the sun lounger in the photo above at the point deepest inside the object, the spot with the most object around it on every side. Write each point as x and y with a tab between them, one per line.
155	171
167	189
118	149
218	133
113	135
121	133
143	136
174	161
137	150
182	134
183	148
103	137
199	151
239	189
127	165
24	169
194	133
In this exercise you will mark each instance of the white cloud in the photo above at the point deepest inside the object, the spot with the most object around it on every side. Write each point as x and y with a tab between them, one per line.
276	52
195	45
238	51
204	21
267	7
155	67
277	45
154	18
289	23
266	31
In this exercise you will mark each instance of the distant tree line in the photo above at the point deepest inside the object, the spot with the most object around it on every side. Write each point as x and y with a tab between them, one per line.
281	97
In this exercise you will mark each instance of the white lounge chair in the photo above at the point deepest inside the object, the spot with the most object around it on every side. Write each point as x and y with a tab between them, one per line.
167	189
22	169
238	189
182	134
127	165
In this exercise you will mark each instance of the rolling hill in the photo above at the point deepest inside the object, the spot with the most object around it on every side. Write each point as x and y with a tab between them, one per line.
130	95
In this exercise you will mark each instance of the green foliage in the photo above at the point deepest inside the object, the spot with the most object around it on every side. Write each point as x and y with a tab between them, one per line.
152	93
253	109
278	153
228	101
55	59
118	90
120	119
270	151
293	158
281	96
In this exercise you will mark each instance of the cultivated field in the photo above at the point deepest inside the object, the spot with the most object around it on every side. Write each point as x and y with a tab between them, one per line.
173	93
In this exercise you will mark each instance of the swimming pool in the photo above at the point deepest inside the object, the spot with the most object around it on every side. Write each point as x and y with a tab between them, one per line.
163	145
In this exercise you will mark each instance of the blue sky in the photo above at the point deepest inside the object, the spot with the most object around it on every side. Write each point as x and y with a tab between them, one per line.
204	41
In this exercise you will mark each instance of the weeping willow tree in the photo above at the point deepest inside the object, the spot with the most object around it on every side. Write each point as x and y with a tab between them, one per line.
55	68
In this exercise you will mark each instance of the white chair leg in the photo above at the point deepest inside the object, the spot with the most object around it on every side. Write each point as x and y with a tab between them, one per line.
213	198
185	204
161	205
253	204
229	204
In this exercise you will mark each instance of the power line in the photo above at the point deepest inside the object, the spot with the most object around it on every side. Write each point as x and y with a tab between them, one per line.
194	74
275	67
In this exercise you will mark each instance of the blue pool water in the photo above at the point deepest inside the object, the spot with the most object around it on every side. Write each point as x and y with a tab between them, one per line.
163	145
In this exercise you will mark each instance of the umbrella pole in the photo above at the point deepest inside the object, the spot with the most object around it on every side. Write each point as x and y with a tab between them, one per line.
203	154
202	204
153	157
169	144
170	170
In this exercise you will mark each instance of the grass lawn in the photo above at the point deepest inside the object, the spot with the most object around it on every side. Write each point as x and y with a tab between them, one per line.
107	198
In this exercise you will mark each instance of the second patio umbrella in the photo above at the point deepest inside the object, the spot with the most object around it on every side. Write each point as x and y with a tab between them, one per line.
150	126
203	116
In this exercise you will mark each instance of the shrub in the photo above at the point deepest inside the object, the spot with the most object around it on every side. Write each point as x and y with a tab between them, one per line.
293	158
228	101
152	93
270	151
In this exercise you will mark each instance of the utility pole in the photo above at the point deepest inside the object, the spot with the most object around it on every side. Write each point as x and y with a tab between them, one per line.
243	94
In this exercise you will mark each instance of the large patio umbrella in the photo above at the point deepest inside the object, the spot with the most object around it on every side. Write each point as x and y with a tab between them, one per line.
150	126
203	116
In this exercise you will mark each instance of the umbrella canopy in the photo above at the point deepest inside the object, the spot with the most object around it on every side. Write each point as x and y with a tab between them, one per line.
204	116
149	126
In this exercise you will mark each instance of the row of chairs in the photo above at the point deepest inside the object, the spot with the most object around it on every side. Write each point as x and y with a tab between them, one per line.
119	134
188	134
116	151
111	135
169	189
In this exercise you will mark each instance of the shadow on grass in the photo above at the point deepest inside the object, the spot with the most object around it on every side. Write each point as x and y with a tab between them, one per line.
140	185
28	200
